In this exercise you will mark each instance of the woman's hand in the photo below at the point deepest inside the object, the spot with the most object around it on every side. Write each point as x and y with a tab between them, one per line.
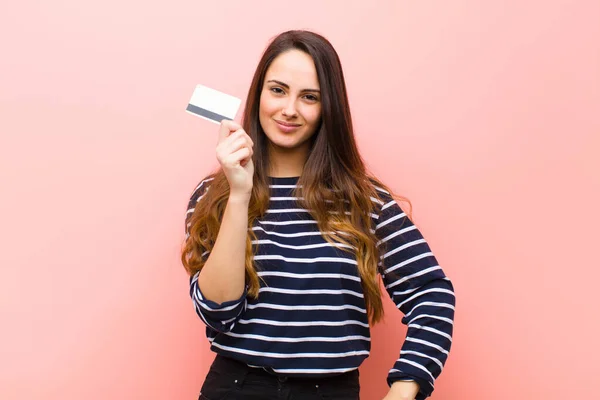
234	153
403	390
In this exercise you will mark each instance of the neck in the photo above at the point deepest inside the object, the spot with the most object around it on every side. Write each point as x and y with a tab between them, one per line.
286	162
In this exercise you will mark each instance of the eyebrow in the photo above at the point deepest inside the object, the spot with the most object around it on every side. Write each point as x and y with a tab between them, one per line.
285	85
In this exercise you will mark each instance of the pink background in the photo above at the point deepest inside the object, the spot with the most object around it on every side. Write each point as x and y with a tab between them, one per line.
484	114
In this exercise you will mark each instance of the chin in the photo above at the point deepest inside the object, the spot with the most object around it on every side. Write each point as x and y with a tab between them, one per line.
278	137
285	144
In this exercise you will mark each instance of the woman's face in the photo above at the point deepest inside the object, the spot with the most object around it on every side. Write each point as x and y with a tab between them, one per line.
290	100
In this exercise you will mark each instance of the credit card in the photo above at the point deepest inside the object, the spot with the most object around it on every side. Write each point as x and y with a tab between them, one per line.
213	105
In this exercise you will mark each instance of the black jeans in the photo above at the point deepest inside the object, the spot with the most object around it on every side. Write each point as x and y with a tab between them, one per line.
228	379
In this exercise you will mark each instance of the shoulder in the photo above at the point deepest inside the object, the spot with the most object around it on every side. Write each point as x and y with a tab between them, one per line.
384	198
197	194
200	190
391	211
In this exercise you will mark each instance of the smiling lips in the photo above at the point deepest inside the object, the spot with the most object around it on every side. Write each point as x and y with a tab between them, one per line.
286	126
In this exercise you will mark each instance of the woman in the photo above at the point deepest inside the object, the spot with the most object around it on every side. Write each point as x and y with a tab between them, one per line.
287	241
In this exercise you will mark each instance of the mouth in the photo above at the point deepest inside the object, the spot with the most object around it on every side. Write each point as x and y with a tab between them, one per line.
286	126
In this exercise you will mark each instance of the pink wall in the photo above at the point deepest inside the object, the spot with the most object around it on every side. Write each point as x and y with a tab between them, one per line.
485	114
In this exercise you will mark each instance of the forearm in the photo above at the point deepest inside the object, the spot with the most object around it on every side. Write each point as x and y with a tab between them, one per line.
223	276
403	390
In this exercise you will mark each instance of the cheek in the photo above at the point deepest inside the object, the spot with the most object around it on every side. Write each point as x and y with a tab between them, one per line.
313	115
261	105
268	106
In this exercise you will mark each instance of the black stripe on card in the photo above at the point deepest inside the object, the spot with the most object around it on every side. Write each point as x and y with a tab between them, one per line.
206	114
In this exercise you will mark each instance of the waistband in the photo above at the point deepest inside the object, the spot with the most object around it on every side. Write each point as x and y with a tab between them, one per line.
237	367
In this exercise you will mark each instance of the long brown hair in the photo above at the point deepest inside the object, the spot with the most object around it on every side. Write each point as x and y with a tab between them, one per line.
335	185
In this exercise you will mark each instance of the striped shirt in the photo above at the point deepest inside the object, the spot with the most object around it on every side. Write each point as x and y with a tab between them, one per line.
310	317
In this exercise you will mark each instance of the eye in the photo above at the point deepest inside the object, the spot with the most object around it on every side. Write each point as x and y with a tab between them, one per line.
311	97
277	90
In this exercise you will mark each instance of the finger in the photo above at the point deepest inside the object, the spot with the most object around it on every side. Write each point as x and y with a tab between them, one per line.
239	134
251	142
245	161
227	127
237	144
238	156
242	133
232	146
248	138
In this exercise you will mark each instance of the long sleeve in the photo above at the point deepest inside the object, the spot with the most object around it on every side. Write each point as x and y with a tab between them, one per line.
219	317
422	292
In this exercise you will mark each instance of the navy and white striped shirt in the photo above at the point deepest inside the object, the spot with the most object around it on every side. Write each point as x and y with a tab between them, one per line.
310	317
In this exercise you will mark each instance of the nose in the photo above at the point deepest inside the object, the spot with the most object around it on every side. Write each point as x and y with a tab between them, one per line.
289	109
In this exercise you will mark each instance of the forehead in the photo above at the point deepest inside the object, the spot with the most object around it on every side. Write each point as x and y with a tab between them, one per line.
294	67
